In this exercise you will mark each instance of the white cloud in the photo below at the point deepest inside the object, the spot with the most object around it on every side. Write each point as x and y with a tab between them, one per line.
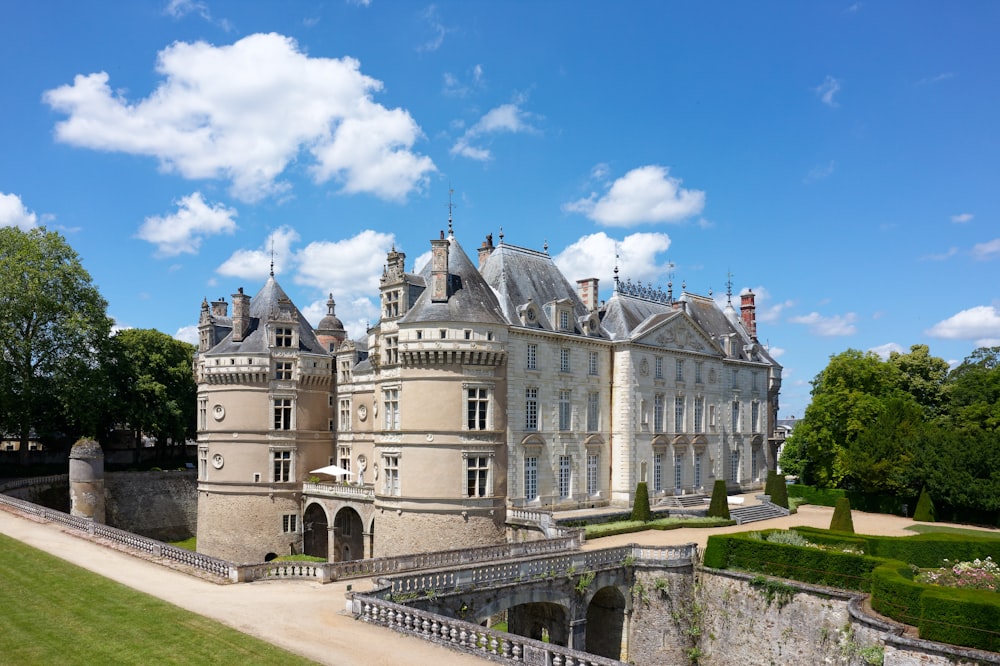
962	218
981	323
349	268
244	112
776	353
820	172
437	29
644	194
827	90
455	87
884	350
187	334
938	78
421	261
948	254
183	231
256	264
181	8
988	250
837	325
14	214
595	256
506	118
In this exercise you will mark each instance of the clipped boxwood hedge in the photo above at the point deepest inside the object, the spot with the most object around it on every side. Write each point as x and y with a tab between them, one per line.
961	617
895	594
628	526
860	501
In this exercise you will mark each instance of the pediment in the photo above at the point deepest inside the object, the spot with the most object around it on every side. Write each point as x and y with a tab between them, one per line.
681	333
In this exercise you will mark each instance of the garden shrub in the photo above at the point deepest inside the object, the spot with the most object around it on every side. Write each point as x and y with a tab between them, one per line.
640	505
894	592
719	508
779	490
842	520
836	540
961	617
860	501
925	508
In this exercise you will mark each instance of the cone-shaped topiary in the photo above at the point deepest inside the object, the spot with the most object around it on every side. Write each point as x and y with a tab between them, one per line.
769	484
779	491
925	508
842	521
640	505
719	508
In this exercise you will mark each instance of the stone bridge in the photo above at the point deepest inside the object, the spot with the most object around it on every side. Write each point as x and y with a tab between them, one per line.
556	598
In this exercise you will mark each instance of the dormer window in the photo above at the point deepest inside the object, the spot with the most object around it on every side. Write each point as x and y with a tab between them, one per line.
391	307
283	337
563	320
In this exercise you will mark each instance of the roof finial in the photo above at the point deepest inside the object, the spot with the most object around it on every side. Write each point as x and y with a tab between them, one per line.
451	231
272	256
545	246
617	257
501	235
729	287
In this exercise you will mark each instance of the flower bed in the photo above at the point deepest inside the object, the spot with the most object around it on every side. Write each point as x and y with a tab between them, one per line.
975	575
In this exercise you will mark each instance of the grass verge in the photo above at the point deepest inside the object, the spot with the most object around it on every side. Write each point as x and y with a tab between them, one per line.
945	529
57	613
628	526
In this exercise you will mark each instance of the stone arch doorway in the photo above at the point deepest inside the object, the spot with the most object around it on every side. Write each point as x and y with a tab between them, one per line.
605	623
348	536
540	620
315	532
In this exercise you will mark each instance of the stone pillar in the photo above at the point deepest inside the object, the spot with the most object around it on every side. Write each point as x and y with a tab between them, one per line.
578	634
86	480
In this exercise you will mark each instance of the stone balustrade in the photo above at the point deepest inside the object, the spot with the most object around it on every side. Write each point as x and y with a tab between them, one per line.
470	638
347	491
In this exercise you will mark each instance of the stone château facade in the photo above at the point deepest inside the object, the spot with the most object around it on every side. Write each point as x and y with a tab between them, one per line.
484	386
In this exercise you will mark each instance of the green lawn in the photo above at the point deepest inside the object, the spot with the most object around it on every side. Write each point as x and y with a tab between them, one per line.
53	612
922	528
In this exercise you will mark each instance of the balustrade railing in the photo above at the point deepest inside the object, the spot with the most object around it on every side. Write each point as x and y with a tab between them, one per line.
470	638
342	490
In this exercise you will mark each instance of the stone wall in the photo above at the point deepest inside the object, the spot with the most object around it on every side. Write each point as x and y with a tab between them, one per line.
747	621
665	617
245	528
416	532
158	505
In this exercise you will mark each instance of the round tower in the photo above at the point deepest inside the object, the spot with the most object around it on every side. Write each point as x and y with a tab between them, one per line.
86	480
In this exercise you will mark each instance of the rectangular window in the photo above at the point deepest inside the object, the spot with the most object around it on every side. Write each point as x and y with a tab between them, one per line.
477	476
344	459
697	470
592	363
698	366
282	413
390	403
657	471
345	415
565	406
754	417
391	304
477	408
202	413
734	465
565	477
736	416
754	464
391	349
531	409
281	466
202	463
736	378
678	469
679	370
658	412
658	367
593	411
532	356
390	472
289	522
679	413
345	371
699	414
282	337
283	370
563	360
530	478
593	462
563	320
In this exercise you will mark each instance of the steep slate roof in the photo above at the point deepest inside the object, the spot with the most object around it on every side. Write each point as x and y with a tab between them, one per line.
262	305
519	275
470	299
623	315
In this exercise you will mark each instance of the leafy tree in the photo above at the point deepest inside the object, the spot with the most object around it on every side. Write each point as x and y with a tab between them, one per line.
922	376
974	391
882	458
155	389
961	468
53	332
640	505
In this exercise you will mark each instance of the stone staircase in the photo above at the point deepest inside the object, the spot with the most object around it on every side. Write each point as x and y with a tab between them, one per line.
755	512
683	501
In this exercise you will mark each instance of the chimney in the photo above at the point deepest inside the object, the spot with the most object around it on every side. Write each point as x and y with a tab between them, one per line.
586	289
748	312
220	307
439	270
485	250
241	315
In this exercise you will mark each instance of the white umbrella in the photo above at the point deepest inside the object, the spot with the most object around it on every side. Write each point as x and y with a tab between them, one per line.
331	470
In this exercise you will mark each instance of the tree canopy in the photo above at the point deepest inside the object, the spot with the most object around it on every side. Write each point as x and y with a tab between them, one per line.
53	333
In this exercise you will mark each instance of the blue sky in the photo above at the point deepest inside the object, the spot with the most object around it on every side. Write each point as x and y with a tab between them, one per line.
838	158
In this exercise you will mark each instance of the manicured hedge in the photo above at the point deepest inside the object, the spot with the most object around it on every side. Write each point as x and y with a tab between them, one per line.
895	594
961	617
859	501
640	505
827	538
842	520
930	550
719	507
629	526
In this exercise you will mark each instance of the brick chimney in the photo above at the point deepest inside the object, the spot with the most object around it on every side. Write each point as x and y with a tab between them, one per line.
439	270
748	313
586	289
485	250
220	307
241	315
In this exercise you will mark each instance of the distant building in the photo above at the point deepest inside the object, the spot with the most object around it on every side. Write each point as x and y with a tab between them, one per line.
482	387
